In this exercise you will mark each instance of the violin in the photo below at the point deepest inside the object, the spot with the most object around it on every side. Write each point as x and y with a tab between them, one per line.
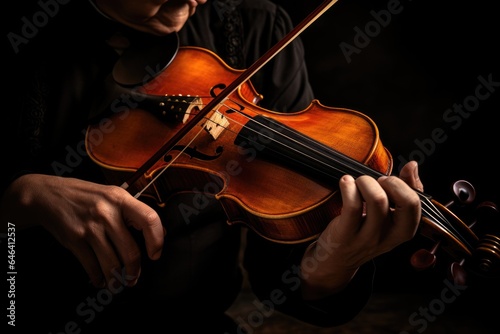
227	155
275	172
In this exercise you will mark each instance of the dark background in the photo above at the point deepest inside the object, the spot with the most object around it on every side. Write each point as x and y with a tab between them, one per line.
427	59
423	62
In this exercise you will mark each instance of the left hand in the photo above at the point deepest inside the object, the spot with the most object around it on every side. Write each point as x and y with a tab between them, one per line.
377	216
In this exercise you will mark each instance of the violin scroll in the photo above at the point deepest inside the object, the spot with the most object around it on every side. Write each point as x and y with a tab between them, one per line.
474	247
487	251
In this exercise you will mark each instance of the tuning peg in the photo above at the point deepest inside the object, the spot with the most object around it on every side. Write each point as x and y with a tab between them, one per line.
424	259
464	193
457	273
486	212
487	255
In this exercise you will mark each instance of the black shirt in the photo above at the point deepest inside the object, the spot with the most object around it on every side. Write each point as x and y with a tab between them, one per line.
57	84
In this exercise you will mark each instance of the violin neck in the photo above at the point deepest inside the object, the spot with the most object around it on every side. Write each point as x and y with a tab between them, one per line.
280	143
276	141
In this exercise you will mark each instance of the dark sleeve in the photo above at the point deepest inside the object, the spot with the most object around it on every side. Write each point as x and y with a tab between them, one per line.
284	81
272	268
273	273
34	125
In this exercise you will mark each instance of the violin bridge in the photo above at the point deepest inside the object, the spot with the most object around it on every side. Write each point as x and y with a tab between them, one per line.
195	103
216	124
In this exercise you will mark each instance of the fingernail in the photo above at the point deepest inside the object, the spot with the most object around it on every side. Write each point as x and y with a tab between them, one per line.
415	169
132	281
347	178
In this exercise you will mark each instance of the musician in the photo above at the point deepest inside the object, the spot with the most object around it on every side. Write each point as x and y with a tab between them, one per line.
91	258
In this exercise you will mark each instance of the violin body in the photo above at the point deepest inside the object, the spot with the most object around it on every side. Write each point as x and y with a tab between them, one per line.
275	172
276	199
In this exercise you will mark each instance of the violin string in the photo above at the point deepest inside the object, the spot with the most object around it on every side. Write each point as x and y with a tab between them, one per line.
138	194
428	208
362	169
356	167
352	166
357	164
167	166
366	171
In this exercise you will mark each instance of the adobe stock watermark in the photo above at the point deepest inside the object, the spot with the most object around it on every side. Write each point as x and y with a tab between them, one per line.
373	28
75	154
30	26
421	318
291	278
121	107
249	148
453	118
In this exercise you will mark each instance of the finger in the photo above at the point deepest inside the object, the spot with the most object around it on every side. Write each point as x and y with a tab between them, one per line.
352	208
127	251
377	206
406	206
409	174
343	229
143	218
86	256
106	254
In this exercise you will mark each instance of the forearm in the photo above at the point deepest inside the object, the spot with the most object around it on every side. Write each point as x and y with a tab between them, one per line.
319	278
275	274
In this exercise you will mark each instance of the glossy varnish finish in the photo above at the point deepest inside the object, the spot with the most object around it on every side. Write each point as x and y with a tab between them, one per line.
277	201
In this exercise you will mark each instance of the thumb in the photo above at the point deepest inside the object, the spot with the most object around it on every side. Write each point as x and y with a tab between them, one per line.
409	174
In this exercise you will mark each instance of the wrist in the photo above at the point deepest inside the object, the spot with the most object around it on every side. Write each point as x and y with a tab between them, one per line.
321	277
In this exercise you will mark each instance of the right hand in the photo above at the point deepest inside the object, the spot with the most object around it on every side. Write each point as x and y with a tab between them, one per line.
89	219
